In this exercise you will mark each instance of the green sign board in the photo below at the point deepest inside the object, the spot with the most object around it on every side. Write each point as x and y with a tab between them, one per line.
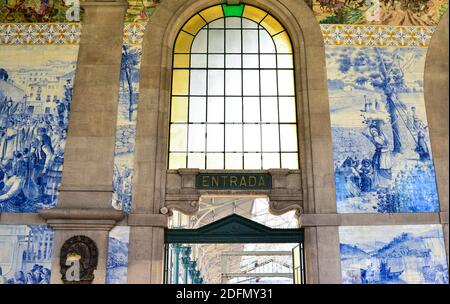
233	181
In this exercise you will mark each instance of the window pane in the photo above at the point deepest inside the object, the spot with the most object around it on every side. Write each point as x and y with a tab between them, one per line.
181	61
233	61
251	109
177	160
233	160
219	23
252	138
289	160
249	24
250	40
198	82
215	109
233	41
183	43
233	22
288	138
251	82
178	137
212	13
180	83
283	43
198	61
214	161
251	62
233	109
196	160
197	109
216	61
271	25
179	109
253	13
285	61
266	42
269	82
252	160
215	82
286	82
216	41
233	138
287	109
268	61
215	138
233	84
269	109
271	160
194	25
196	140
200	43
270	138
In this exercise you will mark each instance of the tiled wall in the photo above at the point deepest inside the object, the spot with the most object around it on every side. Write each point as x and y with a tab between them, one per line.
117	263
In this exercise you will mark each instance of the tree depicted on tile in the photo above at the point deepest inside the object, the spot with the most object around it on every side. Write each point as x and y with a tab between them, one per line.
35	95
25	254
393	255
381	146
117	263
386	12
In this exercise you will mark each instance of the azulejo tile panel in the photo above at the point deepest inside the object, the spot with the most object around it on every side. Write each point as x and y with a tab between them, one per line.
39	33
25	254
117	262
393	255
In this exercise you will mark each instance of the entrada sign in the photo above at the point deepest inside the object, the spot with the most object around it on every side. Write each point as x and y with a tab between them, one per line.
233	181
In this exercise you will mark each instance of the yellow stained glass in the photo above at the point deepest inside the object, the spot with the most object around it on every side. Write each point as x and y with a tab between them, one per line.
253	13
183	43
272	25
181	61
177	160
283	43
180	84
194	25
212	13
179	109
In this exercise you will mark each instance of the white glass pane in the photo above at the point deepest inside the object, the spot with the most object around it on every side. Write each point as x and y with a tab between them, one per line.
233	82
215	138
216	61
215	82
198	61
196	160
286	82
216	41
269	109
233	161
233	109
288	138
233	138
232	22
266	43
252	138
271	160
287	109
219	23
251	82
250	62
178	137
198	82
199	45
285	61
251	109
196	140
289	160
252	161
233	41
233	61
215	109
268	62
246	23
250	40
177	160
269	82
197	109
270	138
214	161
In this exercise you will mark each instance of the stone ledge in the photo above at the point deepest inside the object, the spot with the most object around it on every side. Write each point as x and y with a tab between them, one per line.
444	217
82	214
147	220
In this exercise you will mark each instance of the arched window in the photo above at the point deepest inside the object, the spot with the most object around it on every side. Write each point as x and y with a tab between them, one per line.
233	93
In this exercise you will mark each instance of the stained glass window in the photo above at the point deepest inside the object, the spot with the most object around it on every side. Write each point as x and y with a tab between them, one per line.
233	92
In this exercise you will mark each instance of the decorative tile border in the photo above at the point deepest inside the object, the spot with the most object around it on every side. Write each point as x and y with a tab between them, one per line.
377	35
334	34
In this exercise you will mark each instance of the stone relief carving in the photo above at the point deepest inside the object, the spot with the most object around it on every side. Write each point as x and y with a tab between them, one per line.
81	253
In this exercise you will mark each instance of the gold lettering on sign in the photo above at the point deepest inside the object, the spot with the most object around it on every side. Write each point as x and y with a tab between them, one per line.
261	182
252	181
243	182
224	179
205	181
233	181
214	181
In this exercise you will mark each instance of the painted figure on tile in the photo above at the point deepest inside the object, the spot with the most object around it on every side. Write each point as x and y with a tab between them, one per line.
381	160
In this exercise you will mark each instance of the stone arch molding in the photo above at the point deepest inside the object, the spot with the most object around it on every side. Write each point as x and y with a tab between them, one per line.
158	190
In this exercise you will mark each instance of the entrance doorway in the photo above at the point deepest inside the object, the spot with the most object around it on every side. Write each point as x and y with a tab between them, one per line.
238	242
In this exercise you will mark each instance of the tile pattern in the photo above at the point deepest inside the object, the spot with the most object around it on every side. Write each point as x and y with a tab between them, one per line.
40	33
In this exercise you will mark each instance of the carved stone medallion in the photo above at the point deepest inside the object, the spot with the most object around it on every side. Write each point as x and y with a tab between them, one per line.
78	260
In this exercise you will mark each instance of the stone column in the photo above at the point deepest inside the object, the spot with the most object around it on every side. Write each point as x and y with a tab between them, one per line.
84	206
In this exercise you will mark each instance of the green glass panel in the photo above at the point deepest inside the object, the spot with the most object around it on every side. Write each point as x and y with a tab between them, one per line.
233	10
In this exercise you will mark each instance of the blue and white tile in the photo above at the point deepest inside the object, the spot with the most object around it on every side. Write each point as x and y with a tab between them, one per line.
117	263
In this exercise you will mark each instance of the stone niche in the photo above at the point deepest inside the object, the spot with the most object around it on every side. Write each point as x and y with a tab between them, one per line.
78	260
285	193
